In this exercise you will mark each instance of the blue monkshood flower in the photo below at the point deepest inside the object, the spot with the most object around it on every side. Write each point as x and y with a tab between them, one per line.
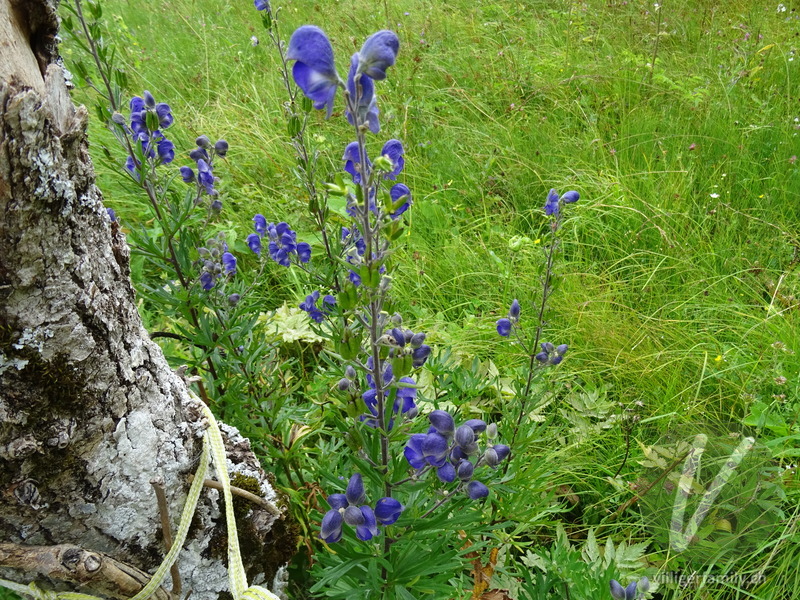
552	355
221	148
427	449
354	238
304	252
363	96
394	150
229	262
352	163
404	400
261	4
166	150
314	71
310	306
187	174
477	490
254	242
345	509
111	215
141	106
378	54
400	192
207	280
132	167
260	224
504	327
631	592
496	454
387	510
205	177
551	206
442	421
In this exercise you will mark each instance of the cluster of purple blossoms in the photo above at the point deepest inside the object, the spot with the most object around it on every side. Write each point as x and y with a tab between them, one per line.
345	509
204	156
550	354
404	399
316	313
554	201
399	193
216	262
282	242
148	120
314	71
407	346
631	592
449	450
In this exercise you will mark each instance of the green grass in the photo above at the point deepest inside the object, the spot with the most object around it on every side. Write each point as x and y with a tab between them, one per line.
679	264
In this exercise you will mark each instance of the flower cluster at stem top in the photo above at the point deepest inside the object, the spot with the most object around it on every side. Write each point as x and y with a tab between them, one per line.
204	156
148	120
454	452
345	509
282	246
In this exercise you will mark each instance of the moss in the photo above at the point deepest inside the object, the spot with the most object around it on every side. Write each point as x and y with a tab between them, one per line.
264	552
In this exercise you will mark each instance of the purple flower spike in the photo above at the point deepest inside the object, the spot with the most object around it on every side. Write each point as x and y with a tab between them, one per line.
504	327
387	510
394	150
378	54
364	97
254	242
442	421
476	490
314	72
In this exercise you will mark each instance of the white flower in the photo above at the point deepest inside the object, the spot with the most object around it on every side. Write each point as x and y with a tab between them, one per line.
714	195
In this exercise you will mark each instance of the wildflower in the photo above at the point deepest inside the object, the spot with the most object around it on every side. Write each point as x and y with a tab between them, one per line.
400	193
394	150
476	490
504	327
187	174
495	455
229	261
254	242
111	215
352	163
387	510
221	148
404	400
233	299
552	355
514	310
345	509
310	306
362	94
261	4
207	280
630	592
552	204
314	71
205	177
378	54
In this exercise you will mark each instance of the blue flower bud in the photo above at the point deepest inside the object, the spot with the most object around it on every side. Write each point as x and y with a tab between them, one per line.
331	528
149	101
477	425
344	384
442	421
562	349
465	470
464	436
387	510
187	174
570	197
350	372
416	339
420	355
548	347
203	141
398	336
477	490
221	148
233	299
542	357
355	489
617	591
198	154
513	312
353	516
446	473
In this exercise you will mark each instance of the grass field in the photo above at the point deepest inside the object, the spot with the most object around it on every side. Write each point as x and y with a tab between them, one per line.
678	285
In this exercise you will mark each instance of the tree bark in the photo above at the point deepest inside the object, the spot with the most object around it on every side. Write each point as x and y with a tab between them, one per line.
90	412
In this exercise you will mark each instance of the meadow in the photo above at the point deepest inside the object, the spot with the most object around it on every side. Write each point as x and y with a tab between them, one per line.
675	281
